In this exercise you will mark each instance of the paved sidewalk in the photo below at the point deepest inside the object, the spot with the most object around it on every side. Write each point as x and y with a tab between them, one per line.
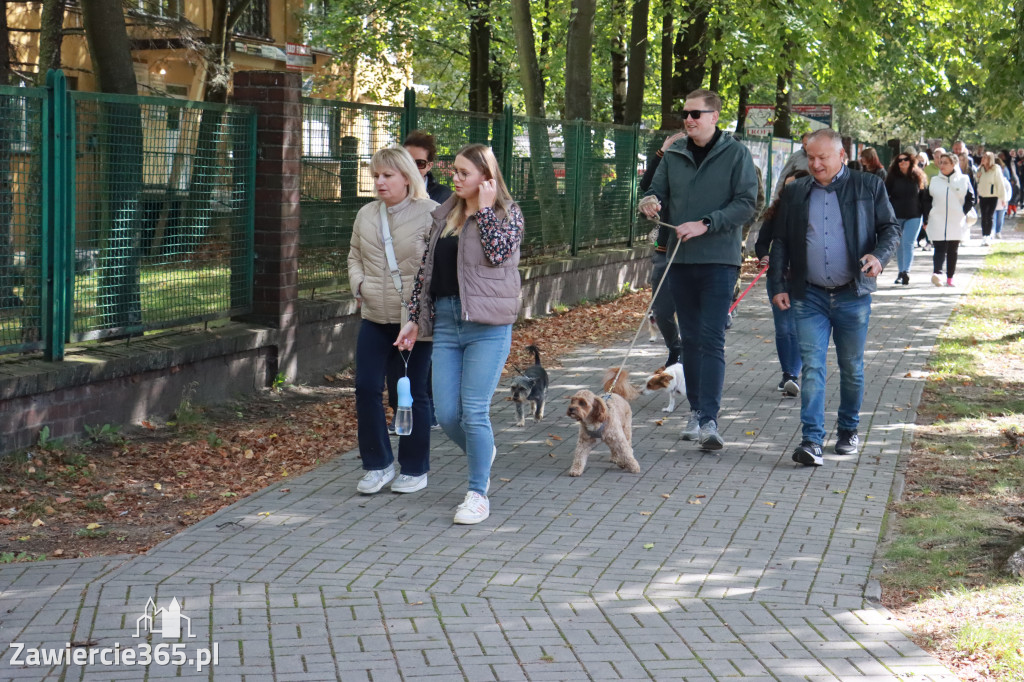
701	567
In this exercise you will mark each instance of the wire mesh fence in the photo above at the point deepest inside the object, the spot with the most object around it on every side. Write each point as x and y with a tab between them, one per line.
543	184
162	197
22	241
338	141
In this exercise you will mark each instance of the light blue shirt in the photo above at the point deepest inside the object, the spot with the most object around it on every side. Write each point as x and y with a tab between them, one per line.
828	260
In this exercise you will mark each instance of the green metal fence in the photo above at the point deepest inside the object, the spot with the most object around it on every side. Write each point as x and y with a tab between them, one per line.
120	215
338	140
22	200
575	181
163	195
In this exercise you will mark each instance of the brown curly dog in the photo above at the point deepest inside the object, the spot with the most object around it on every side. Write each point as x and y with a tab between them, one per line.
609	420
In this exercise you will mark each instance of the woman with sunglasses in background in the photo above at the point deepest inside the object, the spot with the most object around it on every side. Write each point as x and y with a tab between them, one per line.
906	185
423	149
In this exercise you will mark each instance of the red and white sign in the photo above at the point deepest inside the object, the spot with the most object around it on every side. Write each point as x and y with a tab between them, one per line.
760	120
299	57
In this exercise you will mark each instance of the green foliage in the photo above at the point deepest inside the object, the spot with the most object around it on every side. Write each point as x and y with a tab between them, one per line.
45	442
20	557
108	433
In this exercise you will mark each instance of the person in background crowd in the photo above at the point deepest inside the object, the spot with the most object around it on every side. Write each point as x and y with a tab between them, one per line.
710	207
468	293
960	148
663	307
1000	216
833	233
950	197
382	295
796	161
1020	176
905	184
990	192
1010	171
870	163
423	148
787	345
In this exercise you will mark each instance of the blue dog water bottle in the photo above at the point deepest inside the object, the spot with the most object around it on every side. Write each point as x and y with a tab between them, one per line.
403	417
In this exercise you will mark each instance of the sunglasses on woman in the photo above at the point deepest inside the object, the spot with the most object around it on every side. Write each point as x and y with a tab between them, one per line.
420	163
902	159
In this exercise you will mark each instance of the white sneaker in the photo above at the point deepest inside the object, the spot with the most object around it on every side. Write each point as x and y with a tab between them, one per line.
409	484
936	279
374	480
474	509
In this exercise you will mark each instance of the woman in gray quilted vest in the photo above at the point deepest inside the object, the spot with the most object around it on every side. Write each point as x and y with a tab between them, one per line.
467	294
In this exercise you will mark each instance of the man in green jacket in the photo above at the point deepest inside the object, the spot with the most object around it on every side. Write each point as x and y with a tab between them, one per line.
707	187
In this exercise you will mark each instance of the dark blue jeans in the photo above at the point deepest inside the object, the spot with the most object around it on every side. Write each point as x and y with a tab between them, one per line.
787	345
843	316
664	307
374	352
703	294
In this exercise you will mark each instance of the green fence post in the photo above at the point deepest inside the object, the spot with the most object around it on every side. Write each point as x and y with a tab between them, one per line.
507	141
768	180
409	118
55	245
577	186
633	182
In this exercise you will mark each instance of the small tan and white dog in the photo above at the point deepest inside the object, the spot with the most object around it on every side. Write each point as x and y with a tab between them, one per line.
669	379
608	420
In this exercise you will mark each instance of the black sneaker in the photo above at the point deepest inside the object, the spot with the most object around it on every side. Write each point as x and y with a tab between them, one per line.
847	442
782	384
808	453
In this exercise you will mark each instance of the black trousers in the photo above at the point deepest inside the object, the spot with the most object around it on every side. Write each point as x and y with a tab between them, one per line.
945	251
988	212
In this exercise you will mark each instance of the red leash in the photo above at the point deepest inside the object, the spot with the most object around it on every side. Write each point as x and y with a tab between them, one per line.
740	298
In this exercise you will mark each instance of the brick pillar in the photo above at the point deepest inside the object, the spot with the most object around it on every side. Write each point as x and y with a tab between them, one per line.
276	98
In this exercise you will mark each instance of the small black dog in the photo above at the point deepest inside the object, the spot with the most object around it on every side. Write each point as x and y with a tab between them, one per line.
530	386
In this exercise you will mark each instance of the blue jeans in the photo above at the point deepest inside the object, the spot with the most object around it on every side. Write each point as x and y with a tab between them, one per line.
664	307
468	359
1000	219
843	316
787	345
374	354
703	293
905	253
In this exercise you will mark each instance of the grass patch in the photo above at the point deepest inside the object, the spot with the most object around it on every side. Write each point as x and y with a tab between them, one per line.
962	514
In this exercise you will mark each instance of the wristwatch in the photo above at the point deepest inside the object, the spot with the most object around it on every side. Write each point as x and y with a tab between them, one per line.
707	222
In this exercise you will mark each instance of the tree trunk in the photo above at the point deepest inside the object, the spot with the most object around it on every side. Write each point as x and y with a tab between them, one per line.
479	56
667	93
783	87
7	275
545	44
637	62
51	34
542	169
578	60
744	100
118	293
715	79
497	87
691	51
618	62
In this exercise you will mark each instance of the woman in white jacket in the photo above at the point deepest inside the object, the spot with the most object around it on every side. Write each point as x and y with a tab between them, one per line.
383	295
951	197
990	192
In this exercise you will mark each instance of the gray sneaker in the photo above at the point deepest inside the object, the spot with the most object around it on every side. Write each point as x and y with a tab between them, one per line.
692	430
709	438
409	484
374	480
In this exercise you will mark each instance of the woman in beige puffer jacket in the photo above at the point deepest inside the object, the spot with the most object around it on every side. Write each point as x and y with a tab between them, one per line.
990	192
402	197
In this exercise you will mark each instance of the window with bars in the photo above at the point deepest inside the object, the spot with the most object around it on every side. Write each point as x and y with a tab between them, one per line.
170	9
255	20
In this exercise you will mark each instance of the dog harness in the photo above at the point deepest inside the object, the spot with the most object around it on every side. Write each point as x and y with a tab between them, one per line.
597	434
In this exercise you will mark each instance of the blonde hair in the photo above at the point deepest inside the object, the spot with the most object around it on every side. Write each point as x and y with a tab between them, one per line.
399	160
482	157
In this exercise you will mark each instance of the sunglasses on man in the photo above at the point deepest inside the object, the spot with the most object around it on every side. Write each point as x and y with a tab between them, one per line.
695	113
421	164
